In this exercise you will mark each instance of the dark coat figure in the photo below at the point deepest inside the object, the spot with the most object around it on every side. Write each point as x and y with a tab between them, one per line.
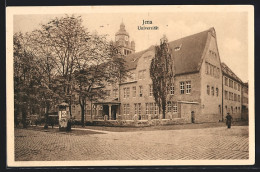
229	119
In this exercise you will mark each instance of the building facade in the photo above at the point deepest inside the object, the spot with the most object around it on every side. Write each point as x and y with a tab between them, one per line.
244	101
204	89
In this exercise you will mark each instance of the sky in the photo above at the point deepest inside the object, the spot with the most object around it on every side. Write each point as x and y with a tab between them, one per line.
231	29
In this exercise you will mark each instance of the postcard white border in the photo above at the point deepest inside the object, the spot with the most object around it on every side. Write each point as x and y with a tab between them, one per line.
11	11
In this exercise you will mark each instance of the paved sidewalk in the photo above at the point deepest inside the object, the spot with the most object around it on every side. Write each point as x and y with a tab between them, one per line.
89	144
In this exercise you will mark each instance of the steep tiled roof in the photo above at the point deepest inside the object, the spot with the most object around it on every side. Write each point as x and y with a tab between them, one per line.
132	59
227	71
187	53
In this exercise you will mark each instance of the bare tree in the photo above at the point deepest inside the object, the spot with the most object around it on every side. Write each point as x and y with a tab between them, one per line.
161	72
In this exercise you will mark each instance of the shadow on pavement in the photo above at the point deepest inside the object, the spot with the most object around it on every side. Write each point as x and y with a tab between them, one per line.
56	130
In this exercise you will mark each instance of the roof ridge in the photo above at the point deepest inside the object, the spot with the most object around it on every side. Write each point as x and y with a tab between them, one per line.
193	34
229	70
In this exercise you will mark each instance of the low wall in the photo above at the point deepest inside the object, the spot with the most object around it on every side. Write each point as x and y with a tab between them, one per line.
136	123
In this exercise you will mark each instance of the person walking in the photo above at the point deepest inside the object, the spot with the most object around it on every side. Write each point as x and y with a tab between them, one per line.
229	119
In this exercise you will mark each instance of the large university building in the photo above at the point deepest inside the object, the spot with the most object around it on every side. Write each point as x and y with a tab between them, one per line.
204	89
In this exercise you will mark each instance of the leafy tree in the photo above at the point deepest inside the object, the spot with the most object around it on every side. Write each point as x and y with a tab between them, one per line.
65	42
161	73
100	67
60	59
25	77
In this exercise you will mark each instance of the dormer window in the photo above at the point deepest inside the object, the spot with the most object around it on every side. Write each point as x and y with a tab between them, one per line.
177	48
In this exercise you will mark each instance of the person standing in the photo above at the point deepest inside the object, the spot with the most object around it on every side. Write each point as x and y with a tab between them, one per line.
229	119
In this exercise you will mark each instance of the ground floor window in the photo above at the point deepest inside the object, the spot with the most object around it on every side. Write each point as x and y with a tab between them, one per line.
175	110
126	109
139	108
146	108
156	109
135	108
172	107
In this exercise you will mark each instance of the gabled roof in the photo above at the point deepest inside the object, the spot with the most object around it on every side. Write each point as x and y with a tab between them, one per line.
187	59
227	71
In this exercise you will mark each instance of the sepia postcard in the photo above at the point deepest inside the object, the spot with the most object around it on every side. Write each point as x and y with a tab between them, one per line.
130	85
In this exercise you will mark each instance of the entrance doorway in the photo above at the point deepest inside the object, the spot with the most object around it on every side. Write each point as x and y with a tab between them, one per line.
192	117
105	110
113	114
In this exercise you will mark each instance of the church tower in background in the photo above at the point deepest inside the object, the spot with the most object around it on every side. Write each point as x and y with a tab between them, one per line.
122	40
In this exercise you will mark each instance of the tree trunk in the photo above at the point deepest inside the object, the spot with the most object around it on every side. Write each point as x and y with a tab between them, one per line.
82	107
164	112
163	108
24	115
82	116
46	117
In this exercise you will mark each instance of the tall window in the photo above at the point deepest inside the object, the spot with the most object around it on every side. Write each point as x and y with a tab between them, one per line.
217	92
151	90
238	98
235	85
155	108
115	93
226	95
182	87
174	107
126	92
139	108
218	73
151	108
226	81
238	87
235	97
146	108
169	105
211	69
188	87
135	108
140	91
230	83
134	91
207	68
126	109
230	96
212	91
208	89
172	89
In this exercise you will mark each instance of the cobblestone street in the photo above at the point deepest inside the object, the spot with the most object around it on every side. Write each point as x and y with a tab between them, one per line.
87	144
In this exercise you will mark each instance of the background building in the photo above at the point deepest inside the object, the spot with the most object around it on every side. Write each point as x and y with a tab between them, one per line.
232	93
